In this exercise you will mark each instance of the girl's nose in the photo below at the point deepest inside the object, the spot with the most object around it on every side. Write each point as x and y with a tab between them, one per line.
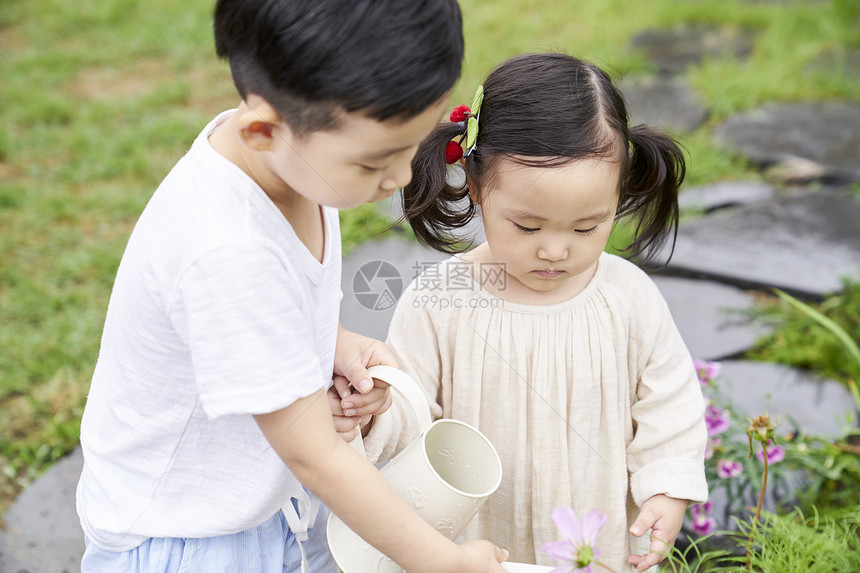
552	253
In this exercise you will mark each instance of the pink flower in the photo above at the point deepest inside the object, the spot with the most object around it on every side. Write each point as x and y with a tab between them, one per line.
729	468
713	444
706	370
716	420
576	553
774	454
703	524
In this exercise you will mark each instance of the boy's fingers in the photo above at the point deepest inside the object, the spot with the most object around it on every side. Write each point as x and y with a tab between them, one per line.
357	375
334	403
348	436
344	423
341	386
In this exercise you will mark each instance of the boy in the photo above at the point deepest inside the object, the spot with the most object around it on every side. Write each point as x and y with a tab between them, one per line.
207	412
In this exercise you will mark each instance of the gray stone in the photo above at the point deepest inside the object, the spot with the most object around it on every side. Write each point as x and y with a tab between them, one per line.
724	194
793	398
797	171
805	244
664	103
826	133
711	317
374	277
845	62
43	534
673	50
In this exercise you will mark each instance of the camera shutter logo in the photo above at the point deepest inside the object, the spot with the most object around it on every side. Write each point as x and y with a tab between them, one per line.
377	285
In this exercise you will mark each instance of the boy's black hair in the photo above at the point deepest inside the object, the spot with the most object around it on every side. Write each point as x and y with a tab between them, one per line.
547	110
310	59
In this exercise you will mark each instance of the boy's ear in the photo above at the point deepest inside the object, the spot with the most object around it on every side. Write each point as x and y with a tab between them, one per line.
258	123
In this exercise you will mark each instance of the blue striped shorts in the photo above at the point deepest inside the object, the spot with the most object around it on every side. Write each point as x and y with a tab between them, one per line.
268	548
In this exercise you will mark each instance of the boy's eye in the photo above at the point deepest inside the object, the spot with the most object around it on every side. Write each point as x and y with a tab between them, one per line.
370	169
590	231
525	229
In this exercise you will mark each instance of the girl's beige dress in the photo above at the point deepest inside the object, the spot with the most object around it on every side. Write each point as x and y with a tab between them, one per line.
591	403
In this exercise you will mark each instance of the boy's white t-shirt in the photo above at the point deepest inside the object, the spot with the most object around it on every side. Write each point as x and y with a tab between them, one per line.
218	312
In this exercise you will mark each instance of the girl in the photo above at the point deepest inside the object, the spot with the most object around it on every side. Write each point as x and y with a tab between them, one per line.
565	356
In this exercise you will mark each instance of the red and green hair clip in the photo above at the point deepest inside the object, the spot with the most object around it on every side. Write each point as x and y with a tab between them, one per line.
468	118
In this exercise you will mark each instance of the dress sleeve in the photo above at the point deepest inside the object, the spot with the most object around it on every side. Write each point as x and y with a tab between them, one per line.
239	310
666	454
413	338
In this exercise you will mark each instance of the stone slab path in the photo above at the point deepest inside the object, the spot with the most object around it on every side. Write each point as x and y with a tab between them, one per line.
805	243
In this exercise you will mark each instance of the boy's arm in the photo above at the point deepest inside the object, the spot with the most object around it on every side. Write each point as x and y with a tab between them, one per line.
303	436
354	396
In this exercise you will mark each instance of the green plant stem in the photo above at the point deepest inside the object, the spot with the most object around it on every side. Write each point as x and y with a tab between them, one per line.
758	508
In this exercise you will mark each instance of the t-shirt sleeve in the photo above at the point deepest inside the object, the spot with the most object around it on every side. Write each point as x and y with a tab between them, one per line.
666	454
413	339
239	310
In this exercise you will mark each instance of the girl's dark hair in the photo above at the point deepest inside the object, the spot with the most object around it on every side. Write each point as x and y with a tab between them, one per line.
546	110
311	59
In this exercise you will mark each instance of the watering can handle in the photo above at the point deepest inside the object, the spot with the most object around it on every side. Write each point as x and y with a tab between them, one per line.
410	390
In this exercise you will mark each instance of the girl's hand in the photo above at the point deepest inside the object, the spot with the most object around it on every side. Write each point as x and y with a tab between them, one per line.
355	411
663	515
354	396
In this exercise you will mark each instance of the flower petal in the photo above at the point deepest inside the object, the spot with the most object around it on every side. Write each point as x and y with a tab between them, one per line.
559	550
568	524
591	524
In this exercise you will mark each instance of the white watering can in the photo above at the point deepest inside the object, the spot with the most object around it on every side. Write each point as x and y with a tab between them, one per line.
444	475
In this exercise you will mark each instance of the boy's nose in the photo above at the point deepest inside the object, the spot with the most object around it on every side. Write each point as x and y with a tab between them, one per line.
398	176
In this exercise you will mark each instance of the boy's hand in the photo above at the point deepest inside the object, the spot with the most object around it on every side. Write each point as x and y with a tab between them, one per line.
663	515
352	409
481	556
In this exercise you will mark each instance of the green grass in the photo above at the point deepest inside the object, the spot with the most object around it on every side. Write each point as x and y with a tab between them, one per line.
791	542
801	341
98	99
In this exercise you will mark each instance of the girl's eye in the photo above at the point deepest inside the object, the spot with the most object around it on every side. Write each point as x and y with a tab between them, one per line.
370	169
526	230
590	231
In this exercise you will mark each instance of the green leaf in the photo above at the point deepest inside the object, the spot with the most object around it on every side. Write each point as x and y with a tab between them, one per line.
827	323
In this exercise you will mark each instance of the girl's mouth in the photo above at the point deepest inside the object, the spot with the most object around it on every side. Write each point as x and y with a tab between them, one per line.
548	274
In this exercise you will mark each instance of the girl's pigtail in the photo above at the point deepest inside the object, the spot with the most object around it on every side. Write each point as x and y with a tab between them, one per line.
650	193
430	203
